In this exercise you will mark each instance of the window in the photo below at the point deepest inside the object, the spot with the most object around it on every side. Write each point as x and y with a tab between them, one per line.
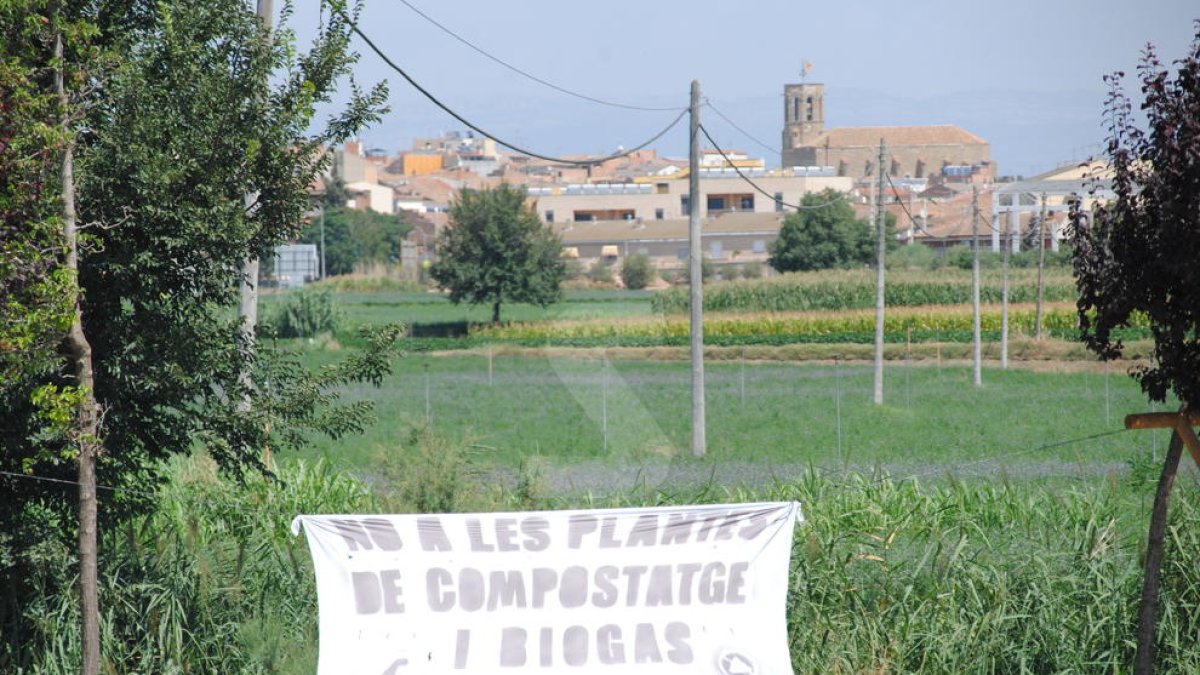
809	109
716	203
684	205
658	214
550	216
748	203
779	202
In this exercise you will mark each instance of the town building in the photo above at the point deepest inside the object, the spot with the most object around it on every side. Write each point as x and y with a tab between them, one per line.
913	151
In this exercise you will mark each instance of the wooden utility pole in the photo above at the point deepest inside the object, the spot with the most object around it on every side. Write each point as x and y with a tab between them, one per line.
696	276
1004	294
86	425
1182	424
1037	319
881	249
976	336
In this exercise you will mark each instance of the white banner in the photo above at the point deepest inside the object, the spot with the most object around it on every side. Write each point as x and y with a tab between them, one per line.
689	589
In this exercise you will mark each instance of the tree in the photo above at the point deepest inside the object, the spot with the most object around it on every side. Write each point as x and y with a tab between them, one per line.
34	288
355	237
160	144
637	271
824	235
1137	255
496	251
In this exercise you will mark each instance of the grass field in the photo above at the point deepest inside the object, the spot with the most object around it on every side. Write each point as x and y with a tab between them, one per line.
775	416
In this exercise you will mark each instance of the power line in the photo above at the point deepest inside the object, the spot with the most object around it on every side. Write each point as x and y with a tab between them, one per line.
525	74
747	134
756	186
550	158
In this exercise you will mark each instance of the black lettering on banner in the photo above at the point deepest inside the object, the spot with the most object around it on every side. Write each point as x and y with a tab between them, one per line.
645	645
686	572
634	574
506	535
608	533
547	647
677	635
462	647
470	589
366	592
707	524
757	523
475	534
575	646
512	648
736	593
431	534
573	587
368	533
537	533
606	591
658	588
712	584
435	579
609	645
545	580
506	589
644	531
725	531
377	592
577	527
678	529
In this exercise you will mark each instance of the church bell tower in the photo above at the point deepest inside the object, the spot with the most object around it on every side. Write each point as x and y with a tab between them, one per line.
803	122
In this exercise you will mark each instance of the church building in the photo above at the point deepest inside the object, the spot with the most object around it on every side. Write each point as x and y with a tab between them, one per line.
912	151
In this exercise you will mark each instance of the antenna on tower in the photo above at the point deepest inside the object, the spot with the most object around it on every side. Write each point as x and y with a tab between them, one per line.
805	66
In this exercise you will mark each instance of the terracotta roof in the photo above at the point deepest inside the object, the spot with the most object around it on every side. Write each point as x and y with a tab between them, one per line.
941	134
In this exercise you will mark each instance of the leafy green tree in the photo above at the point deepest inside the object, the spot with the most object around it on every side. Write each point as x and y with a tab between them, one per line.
35	307
496	250
180	128
825	235
355	237
637	271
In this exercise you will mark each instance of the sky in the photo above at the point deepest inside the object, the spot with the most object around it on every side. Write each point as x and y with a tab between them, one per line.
1026	75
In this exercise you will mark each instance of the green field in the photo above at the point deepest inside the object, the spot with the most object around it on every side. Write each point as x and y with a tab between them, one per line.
624	413
952	529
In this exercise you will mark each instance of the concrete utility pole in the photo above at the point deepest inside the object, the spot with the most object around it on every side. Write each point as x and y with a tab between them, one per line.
248	309
695	276
881	234
1037	321
977	349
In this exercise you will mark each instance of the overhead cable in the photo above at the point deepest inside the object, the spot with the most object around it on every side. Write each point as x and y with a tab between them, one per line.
550	158
756	186
747	134
525	74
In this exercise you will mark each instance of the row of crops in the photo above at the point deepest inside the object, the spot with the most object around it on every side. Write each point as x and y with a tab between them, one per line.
855	289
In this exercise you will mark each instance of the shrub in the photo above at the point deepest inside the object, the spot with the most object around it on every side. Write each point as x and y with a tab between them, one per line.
306	313
636	271
600	273
752	270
